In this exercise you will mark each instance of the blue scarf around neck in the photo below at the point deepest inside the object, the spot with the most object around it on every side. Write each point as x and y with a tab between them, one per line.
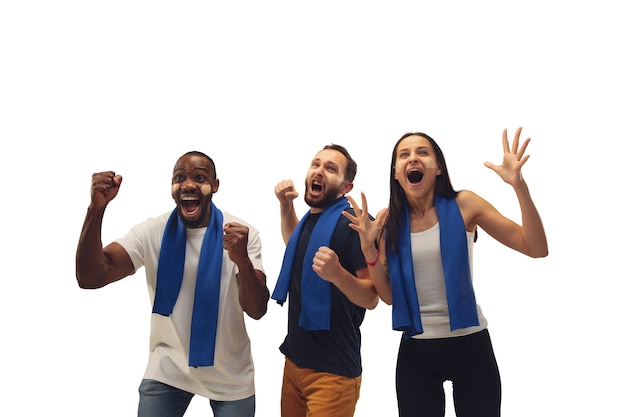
315	314
207	292
456	270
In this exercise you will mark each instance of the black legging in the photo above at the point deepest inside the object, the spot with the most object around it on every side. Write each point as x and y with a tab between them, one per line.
468	361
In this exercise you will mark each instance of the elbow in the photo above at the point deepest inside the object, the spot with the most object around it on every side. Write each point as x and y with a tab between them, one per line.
386	299
81	282
86	286
257	313
373	303
539	253
87	282
258	309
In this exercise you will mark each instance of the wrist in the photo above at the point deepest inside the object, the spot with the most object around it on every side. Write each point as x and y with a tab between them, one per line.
373	263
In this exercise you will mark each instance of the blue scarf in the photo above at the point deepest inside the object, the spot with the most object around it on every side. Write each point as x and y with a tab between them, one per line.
315	314
454	256
207	292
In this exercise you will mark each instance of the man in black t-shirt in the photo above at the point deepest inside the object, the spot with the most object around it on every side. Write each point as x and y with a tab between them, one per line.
326	277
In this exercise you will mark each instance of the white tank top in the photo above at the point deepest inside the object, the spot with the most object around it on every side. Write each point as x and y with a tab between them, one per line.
431	289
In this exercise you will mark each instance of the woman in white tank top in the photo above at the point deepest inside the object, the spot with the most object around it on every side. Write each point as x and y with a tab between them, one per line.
419	254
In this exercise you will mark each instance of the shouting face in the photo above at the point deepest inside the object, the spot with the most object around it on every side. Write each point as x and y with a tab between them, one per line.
326	179
416	167
193	186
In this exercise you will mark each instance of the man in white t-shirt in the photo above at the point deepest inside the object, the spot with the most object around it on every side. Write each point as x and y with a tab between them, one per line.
195	253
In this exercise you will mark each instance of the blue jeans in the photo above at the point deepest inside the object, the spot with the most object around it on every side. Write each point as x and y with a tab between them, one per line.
161	400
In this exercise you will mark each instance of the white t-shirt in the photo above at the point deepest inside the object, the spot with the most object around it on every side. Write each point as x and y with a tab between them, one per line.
431	288
232	375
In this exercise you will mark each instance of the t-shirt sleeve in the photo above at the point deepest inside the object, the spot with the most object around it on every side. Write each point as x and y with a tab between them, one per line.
352	257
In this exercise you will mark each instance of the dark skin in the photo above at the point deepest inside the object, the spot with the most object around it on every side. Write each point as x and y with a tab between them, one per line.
193	185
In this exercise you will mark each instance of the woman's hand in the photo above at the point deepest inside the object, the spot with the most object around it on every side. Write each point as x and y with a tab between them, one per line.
511	168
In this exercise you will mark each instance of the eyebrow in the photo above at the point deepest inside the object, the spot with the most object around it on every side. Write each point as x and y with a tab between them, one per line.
201	168
327	162
419	148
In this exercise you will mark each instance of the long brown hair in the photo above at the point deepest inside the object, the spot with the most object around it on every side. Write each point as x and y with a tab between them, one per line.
397	196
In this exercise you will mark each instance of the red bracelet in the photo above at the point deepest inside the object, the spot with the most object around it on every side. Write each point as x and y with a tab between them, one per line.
375	260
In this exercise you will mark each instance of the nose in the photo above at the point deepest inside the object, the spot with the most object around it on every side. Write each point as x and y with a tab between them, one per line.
186	185
317	171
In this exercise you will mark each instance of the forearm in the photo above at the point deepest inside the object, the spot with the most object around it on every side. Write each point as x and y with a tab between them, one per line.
90	257
533	232
380	279
288	220
376	266
360	291
253	291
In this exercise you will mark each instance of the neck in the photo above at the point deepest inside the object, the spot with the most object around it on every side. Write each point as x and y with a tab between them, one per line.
419	207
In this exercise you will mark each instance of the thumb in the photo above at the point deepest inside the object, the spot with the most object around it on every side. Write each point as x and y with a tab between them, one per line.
490	165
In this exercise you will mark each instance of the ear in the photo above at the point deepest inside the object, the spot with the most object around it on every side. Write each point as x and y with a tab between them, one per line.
347	187
439	171
216	185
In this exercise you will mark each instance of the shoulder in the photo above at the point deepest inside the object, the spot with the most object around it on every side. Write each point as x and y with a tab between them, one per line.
231	218
473	207
152	223
467	199
343	222
343	231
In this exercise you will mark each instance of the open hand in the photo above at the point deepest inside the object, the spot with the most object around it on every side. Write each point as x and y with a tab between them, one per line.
513	159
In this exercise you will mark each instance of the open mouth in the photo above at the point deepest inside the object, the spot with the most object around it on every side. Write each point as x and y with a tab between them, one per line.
415	176
189	204
316	187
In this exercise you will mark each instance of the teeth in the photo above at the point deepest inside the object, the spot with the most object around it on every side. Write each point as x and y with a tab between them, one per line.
189	198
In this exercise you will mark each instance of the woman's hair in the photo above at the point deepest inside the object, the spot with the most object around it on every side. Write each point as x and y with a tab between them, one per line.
397	197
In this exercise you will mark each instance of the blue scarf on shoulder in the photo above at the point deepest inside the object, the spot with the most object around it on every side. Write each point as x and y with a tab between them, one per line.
315	314
207	292
458	281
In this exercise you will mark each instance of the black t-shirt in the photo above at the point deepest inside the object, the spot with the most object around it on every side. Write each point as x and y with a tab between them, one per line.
337	350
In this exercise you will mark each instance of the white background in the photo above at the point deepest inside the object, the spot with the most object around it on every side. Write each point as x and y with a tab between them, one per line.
261	86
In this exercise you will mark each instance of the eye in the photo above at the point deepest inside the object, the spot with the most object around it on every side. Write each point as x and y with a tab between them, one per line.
177	178
200	178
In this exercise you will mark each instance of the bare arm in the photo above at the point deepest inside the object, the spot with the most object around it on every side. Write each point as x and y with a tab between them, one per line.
97	266
286	192
253	291
359	289
370	233
528	238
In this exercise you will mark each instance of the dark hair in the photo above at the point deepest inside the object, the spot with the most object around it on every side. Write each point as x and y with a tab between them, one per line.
203	155
351	168
397	197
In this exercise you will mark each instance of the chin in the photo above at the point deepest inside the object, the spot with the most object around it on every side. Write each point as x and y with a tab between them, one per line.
195	222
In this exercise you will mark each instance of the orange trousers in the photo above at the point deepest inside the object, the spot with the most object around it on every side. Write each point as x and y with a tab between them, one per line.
308	393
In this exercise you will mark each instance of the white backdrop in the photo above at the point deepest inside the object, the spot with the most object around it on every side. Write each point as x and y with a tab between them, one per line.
261	86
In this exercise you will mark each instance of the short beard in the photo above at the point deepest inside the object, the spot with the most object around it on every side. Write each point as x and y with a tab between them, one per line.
206	215
330	195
